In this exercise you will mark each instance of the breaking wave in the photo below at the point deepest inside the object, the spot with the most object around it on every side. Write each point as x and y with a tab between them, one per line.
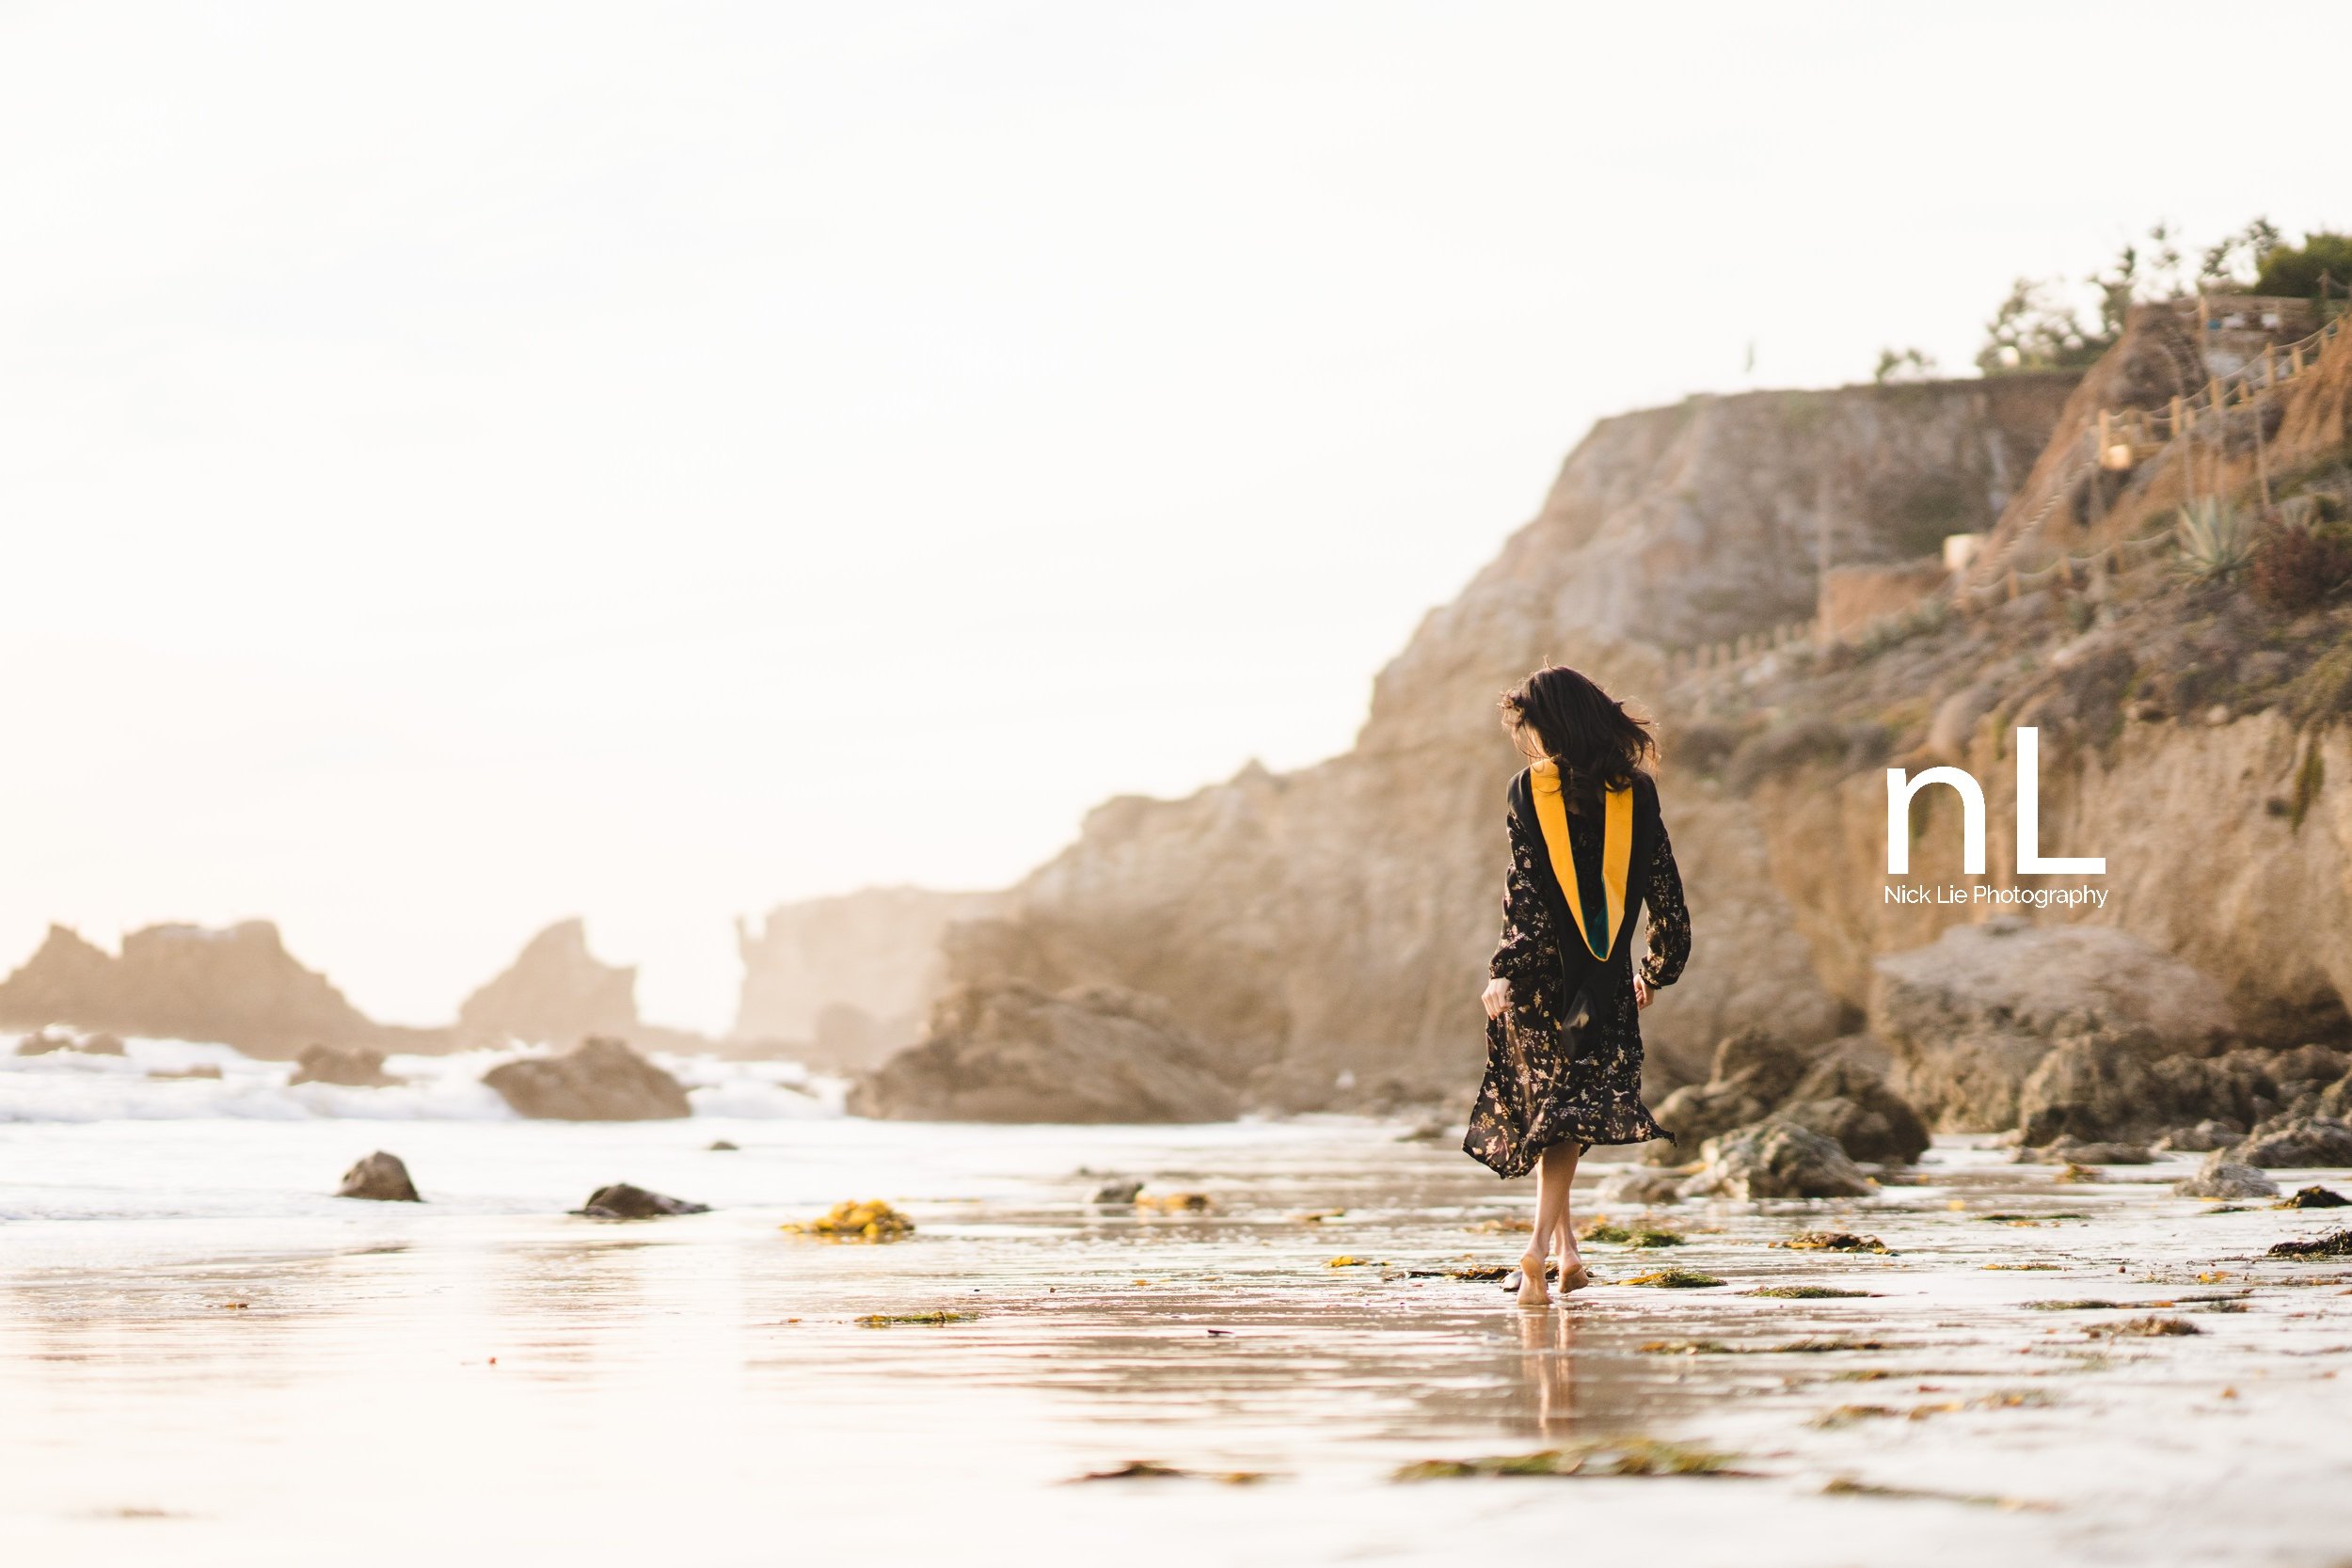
181	1079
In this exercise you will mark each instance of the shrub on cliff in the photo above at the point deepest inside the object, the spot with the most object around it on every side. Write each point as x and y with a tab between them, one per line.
2295	568
2294	272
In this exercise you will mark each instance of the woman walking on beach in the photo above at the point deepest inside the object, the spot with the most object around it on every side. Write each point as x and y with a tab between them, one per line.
1563	1034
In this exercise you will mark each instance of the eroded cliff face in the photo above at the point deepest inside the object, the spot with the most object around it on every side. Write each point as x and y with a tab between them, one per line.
1337	920
844	981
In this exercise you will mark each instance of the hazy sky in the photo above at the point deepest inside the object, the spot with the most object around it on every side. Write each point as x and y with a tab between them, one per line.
466	465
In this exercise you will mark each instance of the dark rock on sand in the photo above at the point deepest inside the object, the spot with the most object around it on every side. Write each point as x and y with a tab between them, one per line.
2203	1138
380	1176
621	1201
1012	1051
2222	1176
722	1145
1775	1159
358	1066
1118	1192
2297	1141
602	1079
1831	1089
2078	1152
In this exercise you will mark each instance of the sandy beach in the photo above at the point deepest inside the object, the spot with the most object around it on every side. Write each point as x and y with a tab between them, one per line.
206	1363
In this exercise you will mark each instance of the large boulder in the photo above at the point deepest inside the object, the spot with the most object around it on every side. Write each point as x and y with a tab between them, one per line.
1972	1015
1014	1053
602	1079
2295	1143
2223	1176
380	1176
2124	1086
1775	1159
1753	1072
358	1066
1831	1090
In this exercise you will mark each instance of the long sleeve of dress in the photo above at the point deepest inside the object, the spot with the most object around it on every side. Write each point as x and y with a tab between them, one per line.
1669	919
1526	945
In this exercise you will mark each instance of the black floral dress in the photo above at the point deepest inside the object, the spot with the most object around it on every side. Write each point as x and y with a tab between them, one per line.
1549	1079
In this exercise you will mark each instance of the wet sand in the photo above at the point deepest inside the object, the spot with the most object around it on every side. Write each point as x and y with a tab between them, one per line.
192	1375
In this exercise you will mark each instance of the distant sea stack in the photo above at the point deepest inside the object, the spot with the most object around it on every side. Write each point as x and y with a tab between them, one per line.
238	986
555	989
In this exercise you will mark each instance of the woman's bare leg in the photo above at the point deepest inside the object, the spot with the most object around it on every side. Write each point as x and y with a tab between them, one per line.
1558	1172
1551	1207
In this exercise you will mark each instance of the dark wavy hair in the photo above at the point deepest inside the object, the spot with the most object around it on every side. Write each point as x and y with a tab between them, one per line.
1588	733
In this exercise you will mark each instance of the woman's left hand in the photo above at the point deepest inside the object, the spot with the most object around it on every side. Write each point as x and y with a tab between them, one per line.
1642	995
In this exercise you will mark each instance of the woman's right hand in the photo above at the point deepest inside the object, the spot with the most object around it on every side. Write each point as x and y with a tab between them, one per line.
1496	997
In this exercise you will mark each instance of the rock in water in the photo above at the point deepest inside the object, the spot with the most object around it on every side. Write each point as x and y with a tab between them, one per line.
2298	1142
1012	1051
2203	1138
381	1177
41	1042
1775	1159
358	1066
1971	1015
621	1201
601	1080
99	1044
2222	1176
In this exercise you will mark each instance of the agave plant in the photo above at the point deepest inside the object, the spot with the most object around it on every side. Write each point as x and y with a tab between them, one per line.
2216	539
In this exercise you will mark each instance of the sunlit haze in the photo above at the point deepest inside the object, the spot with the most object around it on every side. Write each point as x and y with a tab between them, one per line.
464	466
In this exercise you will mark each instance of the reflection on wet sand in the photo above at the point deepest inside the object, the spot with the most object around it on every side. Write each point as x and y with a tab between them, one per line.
1321	1322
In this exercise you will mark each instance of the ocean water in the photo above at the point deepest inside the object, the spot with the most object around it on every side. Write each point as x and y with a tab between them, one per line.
204	1358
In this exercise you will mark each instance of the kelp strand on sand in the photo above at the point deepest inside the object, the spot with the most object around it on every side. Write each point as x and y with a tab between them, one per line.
1805	1292
2335	1243
1634	1456
891	1320
1834	1241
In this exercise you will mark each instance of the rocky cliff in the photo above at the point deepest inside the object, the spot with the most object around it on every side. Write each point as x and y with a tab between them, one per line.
238	985
844	981
1333	924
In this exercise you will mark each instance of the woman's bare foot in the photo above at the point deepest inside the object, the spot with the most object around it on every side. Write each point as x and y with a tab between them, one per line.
1532	1292
1573	1274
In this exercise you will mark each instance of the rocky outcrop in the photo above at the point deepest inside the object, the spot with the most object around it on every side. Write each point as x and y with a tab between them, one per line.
237	985
381	1178
1775	1159
2125	1086
1971	1017
1832	1090
2295	1143
846	981
354	1066
621	1201
1014	1053
555	989
602	1079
